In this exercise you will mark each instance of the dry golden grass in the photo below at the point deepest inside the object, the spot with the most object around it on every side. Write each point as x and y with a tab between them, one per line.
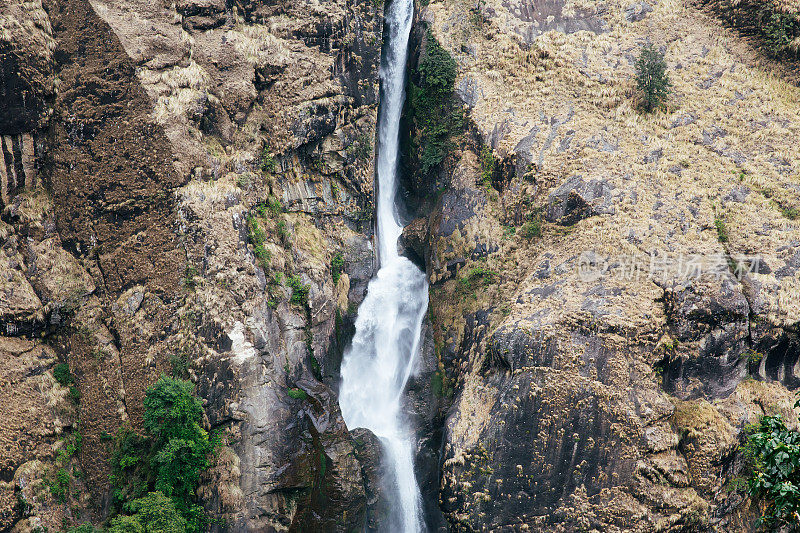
742	123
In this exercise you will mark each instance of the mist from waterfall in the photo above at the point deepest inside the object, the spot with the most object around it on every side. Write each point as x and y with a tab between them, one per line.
378	364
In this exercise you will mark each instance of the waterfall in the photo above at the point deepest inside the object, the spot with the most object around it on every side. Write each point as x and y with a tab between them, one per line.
376	367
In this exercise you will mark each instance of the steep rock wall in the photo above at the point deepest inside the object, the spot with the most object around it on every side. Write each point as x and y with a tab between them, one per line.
144	138
597	378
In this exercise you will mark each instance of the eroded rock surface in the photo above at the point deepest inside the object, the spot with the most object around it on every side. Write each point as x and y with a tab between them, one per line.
611	318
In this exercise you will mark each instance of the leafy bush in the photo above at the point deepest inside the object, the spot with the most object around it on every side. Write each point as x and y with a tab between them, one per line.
299	291
166	461
189	273
775	476
270	207
722	230
434	117
62	375
337	264
477	277
779	30
297	394
361	148
154	513
60	485
283	231
532	229
652	80
83	528
258	237
268	163
488	166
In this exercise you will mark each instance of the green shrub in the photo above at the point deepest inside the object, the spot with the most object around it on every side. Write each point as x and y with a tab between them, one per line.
154	513
337	264
269	207
488	166
267	163
299	291
297	394
532	229
361	148
167	459
652	81
722	230
189	273
283	231
775	477
434	117
475	278
779	30
83	528
792	213
62	374
60	485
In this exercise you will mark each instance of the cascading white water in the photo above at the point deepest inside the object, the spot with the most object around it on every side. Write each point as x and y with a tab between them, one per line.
376	367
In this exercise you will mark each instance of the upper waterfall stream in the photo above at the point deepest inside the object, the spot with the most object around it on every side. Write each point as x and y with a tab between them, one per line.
376	368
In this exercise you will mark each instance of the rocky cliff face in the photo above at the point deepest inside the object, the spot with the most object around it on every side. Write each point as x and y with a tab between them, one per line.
614	296
138	139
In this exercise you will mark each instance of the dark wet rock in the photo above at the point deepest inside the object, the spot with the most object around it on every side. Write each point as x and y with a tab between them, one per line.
547	436
469	91
426	392
779	352
201	14
457	207
577	199
413	241
711	314
27	86
326	466
359	264
370	455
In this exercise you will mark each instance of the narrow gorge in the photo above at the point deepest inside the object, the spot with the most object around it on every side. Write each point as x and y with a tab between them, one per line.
401	266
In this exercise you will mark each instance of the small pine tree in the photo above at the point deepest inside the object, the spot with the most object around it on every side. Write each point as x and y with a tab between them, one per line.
652	79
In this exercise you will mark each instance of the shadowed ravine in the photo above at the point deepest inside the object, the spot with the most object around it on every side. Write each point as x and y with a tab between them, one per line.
377	366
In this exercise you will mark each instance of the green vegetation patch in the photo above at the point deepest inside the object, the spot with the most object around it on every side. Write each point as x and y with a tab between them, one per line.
155	475
337	265
773	453
434	117
652	81
299	291
773	21
722	230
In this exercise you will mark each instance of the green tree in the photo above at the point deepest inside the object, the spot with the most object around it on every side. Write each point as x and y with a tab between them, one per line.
775	476
169	458
430	105
154	513
652	80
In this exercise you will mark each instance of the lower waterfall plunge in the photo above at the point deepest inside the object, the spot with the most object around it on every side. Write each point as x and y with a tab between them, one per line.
376	367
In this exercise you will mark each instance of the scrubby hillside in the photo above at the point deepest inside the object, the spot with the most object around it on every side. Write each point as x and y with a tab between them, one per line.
627	285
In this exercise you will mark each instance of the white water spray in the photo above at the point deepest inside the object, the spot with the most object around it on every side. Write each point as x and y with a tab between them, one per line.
377	366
